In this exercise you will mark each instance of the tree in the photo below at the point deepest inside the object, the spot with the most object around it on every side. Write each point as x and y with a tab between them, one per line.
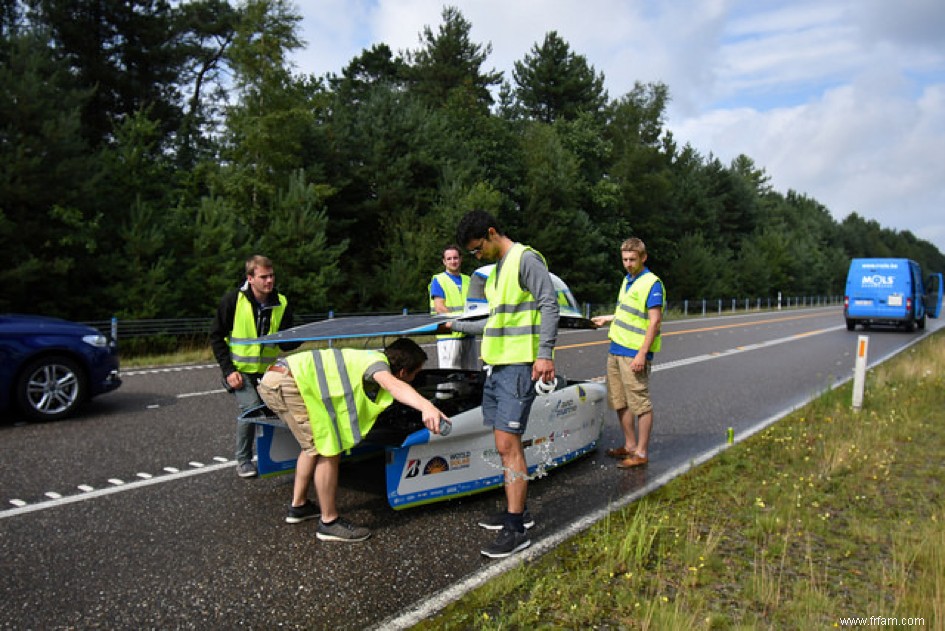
554	83
48	175
126	51
449	61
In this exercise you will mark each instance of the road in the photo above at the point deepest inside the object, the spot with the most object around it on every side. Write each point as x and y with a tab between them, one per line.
131	515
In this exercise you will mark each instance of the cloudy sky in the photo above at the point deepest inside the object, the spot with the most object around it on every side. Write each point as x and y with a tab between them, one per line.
841	100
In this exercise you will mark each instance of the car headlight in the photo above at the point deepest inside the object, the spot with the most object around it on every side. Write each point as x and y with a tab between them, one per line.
99	341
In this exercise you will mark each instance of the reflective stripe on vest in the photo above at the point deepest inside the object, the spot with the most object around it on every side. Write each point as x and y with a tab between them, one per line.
512	332
253	358
331	383
454	298
632	318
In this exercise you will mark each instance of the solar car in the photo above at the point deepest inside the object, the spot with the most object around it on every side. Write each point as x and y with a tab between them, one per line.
421	467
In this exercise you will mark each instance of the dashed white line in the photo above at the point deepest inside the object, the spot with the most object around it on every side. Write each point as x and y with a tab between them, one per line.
85	488
187	395
23	507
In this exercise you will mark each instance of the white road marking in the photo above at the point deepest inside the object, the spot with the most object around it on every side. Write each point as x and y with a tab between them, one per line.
187	395
53	495
22	507
85	488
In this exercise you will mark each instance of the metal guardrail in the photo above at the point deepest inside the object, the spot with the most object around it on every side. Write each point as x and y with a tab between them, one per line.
195	327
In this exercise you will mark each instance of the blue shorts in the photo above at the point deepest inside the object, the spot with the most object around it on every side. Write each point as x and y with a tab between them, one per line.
507	398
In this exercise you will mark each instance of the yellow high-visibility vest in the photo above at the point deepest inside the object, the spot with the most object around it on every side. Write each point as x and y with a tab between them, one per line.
331	382
454	297
512	331
253	358
632	317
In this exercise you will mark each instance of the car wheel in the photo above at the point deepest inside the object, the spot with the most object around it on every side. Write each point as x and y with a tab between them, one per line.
851	324
50	388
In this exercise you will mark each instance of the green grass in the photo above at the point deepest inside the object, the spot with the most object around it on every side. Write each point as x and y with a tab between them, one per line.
827	514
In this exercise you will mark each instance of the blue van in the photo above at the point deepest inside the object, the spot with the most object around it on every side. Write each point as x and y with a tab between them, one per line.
890	291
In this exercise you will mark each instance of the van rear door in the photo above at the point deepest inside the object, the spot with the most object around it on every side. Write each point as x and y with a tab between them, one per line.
933	300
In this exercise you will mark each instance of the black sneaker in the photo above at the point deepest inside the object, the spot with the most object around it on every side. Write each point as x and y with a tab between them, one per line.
298	514
507	543
246	469
497	521
341	530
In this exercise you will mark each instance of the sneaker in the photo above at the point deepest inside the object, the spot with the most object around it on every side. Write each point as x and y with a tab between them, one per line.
496	521
298	514
341	530
507	543
246	469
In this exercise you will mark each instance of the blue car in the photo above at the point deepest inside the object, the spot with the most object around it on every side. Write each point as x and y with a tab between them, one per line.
48	366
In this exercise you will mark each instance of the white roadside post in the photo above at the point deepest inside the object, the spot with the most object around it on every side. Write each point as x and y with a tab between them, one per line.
859	371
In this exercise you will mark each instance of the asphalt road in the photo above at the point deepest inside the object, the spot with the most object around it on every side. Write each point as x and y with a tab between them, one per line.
131	515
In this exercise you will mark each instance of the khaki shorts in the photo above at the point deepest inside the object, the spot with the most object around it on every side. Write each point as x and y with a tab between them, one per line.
281	394
628	389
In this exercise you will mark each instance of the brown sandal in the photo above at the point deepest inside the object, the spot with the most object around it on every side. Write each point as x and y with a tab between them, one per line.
619	452
632	461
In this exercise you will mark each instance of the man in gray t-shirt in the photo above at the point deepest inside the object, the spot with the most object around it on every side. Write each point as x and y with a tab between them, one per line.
517	345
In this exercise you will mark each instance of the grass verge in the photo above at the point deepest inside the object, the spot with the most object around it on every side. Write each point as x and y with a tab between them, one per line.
826	516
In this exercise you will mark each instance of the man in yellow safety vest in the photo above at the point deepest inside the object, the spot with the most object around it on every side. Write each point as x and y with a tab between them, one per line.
330	399
250	311
518	341
634	338
448	291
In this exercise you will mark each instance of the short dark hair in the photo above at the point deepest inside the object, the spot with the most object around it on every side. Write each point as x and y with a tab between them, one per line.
475	225
453	246
405	354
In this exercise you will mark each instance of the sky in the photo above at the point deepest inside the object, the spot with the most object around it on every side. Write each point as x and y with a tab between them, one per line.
839	100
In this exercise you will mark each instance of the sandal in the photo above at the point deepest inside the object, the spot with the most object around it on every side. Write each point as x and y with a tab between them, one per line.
632	461
619	452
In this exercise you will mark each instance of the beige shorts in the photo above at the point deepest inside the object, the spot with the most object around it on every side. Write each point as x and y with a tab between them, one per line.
628	389
282	396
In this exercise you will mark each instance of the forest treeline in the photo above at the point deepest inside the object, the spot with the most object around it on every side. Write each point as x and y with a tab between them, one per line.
149	146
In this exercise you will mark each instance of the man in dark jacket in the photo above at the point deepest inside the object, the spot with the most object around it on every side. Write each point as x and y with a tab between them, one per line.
252	310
